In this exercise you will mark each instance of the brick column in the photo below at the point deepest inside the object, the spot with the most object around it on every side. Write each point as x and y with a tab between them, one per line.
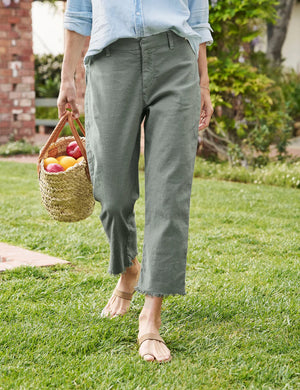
17	96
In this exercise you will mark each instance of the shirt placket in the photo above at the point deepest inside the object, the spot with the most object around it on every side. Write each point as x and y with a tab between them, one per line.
139	25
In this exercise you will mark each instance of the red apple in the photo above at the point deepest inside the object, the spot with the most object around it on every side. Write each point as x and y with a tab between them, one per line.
54	168
73	150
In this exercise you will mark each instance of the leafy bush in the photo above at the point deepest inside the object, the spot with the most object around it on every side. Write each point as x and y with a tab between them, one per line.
47	74
275	173
282	174
18	147
250	111
286	80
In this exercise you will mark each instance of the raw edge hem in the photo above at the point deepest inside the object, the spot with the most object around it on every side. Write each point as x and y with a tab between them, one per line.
159	295
111	272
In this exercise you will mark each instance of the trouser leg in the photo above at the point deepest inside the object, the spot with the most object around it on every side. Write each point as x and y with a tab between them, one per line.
113	116
172	93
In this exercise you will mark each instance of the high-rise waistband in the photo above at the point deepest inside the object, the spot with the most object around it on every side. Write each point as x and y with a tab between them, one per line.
168	38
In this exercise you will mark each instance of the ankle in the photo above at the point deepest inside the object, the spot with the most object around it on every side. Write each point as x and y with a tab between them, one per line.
150	319
134	267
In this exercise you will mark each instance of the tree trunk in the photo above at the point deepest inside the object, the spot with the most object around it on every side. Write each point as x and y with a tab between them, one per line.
276	33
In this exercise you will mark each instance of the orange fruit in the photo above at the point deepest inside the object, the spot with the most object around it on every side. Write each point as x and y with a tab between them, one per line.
67	162
59	158
79	159
49	160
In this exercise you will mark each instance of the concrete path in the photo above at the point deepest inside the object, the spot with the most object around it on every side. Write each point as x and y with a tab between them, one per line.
13	256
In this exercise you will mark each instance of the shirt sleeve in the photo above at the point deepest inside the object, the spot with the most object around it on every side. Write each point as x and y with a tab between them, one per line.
78	16
198	20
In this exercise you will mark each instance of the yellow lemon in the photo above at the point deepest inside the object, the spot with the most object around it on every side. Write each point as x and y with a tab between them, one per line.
67	162
79	159
59	158
49	160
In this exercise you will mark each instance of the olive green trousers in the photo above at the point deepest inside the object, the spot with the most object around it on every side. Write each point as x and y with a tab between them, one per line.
155	78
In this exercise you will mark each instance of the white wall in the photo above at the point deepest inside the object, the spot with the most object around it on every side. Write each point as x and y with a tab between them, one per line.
47	27
291	47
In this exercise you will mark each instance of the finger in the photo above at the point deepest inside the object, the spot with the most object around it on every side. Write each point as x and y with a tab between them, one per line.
61	105
202	105
204	123
74	108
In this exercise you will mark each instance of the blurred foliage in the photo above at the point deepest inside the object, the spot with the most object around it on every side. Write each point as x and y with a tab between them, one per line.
47	75
251	109
18	147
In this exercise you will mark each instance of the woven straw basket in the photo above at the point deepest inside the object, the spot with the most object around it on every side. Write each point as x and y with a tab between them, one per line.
68	195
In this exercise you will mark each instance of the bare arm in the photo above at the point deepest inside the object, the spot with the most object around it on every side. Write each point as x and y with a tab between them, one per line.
206	106
74	43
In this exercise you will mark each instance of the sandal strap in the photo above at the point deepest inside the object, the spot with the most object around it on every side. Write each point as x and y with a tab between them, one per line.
150	336
123	294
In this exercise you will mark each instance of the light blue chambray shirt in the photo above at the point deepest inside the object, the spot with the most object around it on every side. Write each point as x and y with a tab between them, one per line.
108	20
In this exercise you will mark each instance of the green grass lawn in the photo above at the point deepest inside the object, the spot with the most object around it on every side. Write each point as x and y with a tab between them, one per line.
237	327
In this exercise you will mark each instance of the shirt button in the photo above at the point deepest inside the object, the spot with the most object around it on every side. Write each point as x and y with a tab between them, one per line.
138	13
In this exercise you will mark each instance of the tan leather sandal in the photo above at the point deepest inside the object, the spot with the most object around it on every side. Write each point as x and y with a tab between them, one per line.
120	294
123	294
152	336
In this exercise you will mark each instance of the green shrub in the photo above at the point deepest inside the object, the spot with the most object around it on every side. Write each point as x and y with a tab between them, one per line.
281	174
18	147
250	111
47	74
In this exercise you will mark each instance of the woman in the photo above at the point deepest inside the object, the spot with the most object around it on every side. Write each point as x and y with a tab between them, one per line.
145	61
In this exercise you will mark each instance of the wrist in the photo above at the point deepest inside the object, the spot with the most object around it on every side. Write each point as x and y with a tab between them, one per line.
204	81
205	87
67	79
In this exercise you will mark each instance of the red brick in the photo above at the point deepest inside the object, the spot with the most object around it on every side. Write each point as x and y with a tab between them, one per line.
25	102
5	87
5	124
23	87
5	117
17	125
25	5
4	42
3	109
5	72
13	19
24	117
28	94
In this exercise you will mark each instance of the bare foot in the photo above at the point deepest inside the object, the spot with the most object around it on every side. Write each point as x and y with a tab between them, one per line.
149	324
116	305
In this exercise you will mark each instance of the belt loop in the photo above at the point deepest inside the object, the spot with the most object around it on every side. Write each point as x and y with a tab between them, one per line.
170	40
107	51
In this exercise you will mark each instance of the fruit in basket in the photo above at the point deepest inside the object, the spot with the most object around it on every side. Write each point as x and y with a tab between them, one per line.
79	159
49	160
67	162
54	167
73	150
59	158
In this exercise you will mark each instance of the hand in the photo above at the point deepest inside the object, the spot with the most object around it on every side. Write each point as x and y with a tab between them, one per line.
67	99
206	109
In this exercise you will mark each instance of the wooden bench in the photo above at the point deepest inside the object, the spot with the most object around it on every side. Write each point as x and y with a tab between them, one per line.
43	123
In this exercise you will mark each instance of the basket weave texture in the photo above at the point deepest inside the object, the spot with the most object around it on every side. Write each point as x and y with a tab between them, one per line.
68	195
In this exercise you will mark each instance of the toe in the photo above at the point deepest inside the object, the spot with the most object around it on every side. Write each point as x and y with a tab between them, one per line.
149	358
164	358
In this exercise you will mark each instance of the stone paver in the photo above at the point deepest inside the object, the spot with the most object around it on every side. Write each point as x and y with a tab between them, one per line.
13	256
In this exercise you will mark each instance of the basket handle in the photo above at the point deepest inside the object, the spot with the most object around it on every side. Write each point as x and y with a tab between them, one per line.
67	117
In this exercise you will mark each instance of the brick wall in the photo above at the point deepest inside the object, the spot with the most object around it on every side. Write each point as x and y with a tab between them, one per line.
17	96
